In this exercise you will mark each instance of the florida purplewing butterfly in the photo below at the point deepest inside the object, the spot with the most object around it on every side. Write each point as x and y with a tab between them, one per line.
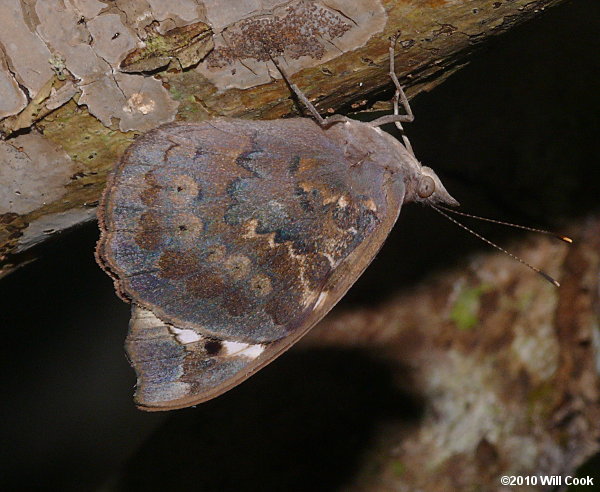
232	238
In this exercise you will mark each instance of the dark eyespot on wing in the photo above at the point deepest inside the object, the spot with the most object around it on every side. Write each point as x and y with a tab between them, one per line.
213	347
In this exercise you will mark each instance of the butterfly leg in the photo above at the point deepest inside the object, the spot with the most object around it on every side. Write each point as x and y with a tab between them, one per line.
399	95
325	122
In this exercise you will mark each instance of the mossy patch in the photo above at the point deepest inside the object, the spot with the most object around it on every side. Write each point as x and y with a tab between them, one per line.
465	312
398	468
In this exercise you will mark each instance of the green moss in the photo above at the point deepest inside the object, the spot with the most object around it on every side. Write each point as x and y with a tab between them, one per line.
158	45
398	468
176	93
84	138
466	308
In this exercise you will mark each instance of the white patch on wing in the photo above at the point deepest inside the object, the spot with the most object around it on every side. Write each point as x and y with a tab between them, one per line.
321	299
240	349
253	351
185	336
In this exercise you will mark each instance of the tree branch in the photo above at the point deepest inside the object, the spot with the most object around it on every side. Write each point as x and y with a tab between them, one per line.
87	102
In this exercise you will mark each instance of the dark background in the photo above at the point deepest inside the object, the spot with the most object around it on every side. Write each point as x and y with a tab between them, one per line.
514	135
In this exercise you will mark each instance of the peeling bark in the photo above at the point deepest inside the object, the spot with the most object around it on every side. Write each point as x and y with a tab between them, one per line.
62	57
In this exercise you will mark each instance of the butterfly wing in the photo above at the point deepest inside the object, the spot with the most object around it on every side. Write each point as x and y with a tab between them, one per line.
232	239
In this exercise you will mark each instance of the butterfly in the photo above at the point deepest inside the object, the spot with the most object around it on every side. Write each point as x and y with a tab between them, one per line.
232	238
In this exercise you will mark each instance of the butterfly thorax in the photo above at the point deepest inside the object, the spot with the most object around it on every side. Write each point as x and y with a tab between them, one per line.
371	146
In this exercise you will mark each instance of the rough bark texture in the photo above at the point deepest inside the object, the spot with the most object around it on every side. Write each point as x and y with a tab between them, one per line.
75	94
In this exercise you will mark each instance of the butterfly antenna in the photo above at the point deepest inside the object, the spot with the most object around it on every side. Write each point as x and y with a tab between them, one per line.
494	245
566	239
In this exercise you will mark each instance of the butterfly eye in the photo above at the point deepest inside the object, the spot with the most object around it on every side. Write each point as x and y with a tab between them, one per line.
426	187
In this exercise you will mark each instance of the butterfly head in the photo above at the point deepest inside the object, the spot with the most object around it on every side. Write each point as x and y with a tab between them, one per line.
426	187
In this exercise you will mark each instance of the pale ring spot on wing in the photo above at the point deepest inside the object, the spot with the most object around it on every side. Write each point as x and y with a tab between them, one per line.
238	266
184	189
216	254
188	228
261	285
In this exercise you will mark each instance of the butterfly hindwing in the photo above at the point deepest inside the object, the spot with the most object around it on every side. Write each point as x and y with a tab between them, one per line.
175	365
